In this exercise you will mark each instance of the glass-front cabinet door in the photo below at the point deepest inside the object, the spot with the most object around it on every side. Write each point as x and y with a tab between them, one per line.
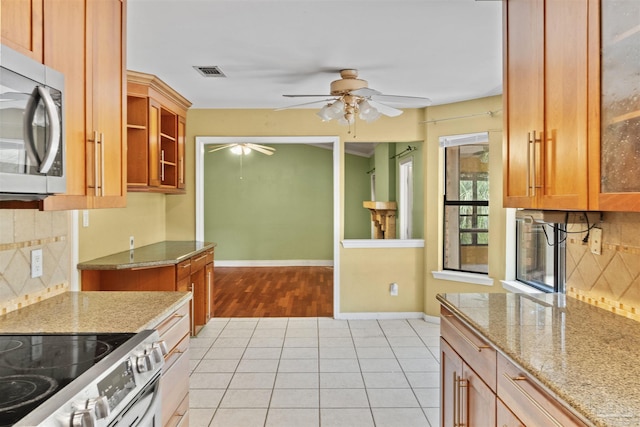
618	64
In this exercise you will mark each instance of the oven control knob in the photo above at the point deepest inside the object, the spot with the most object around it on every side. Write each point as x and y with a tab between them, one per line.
157	355
83	418
162	346
99	406
144	363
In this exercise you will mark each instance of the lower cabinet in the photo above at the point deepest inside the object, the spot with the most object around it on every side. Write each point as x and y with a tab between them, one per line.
174	383
480	387
193	275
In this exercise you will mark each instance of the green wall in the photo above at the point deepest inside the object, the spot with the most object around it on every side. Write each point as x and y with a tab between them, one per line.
277	207
357	189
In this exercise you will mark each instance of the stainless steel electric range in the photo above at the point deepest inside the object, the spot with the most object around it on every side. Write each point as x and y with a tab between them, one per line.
54	380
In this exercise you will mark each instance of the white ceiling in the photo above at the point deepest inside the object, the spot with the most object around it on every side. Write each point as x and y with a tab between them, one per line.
446	50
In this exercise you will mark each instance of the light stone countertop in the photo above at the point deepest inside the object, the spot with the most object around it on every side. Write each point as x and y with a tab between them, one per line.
586	356
154	255
102	312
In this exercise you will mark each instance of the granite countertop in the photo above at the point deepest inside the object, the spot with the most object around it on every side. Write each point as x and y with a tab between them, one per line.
586	356
102	312
154	255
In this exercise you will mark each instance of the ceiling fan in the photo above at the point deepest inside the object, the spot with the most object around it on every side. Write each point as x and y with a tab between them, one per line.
245	148
350	96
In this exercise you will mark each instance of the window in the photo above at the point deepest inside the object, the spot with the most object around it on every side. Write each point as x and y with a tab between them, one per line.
406	198
466	203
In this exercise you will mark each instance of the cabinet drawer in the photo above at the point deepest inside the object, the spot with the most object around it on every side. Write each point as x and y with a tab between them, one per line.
183	269
529	402
175	353
476	352
174	387
209	256
180	418
198	262
175	327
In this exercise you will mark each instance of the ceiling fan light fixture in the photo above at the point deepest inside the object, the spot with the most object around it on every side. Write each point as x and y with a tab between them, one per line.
367	112
336	110
240	149
324	113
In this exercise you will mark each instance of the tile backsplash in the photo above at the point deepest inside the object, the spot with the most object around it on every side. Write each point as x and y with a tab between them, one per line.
22	231
610	280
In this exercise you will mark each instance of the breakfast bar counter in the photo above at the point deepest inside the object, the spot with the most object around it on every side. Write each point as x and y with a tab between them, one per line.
584	356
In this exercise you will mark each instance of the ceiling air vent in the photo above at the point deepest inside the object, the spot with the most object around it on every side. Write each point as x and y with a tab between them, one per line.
210	71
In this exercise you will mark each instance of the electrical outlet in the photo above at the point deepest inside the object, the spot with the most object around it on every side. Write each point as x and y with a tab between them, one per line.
595	241
85	218
130	243
393	289
36	263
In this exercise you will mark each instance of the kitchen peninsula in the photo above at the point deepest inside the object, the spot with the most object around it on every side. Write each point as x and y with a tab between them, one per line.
581	359
163	266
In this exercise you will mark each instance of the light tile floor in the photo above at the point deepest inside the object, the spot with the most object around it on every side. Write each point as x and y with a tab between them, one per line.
298	372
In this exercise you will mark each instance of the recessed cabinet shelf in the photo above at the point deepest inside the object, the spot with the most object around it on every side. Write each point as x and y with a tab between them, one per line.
156	125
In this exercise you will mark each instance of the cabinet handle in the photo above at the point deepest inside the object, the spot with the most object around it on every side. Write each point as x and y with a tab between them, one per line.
456	400
208	304
533	184
162	165
476	347
514	383
193	309
185	265
199	258
95	162
102	183
181	169
462	404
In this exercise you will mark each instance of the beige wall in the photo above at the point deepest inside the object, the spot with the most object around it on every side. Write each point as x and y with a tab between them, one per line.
108	232
479	122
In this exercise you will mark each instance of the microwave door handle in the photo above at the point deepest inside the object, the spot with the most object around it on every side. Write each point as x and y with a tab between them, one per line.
53	143
27	121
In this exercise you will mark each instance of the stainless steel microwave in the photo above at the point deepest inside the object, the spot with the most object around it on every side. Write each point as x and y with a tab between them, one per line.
32	161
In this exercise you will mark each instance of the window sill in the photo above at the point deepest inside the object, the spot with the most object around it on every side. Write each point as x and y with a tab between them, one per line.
519	288
382	243
459	276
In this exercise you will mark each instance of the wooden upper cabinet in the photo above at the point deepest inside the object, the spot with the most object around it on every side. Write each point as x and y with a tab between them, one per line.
545	71
84	40
614	99
21	26
156	128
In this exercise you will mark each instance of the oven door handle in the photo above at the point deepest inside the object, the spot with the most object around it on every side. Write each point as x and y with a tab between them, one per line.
151	409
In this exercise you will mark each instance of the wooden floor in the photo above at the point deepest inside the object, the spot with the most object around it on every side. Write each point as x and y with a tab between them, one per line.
273	291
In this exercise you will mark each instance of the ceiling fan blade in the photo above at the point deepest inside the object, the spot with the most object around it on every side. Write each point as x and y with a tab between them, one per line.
397	99
385	109
221	147
306	96
405	100
306	103
261	149
264	147
365	92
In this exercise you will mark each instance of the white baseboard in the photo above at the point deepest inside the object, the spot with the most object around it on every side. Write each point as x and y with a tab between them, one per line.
380	316
431	319
276	263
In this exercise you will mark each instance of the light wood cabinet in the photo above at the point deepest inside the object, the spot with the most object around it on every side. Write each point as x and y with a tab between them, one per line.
84	40
480	387
545	98
156	126
467	397
614	99
528	402
21	26
174	383
195	275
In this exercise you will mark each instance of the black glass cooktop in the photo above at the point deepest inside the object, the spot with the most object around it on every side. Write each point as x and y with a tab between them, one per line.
34	367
